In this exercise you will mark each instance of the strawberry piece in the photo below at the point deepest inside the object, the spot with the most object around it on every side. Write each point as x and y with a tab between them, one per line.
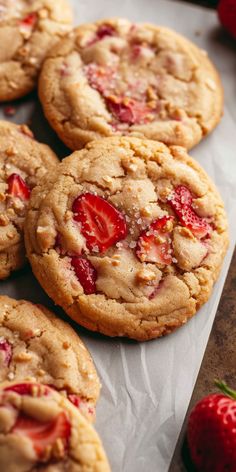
9	110
86	274
105	30
100	78
102	224
154	243
28	389
30	20
211	432
181	202
17	187
130	111
83	405
6	348
43	434
102	32
227	15
75	399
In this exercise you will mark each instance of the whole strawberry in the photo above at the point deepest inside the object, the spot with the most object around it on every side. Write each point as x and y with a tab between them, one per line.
211	432
227	15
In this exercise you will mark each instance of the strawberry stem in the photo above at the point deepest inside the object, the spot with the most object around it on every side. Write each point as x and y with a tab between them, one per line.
225	389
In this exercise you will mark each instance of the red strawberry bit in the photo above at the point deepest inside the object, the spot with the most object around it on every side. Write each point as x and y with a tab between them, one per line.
100	78
28	389
105	30
211	432
6	349
156	290
9	110
181	202
101	223
128	110
17	187
75	399
79	403
43	434
86	274
136	51
30	20
154	243
102	32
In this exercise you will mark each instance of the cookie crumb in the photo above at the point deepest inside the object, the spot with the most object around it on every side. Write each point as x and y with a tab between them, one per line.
4	220
10	151
41	372
11	376
23	357
43	13
25	130
145	275
115	263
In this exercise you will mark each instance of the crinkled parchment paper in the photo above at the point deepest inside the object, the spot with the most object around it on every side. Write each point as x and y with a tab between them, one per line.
147	386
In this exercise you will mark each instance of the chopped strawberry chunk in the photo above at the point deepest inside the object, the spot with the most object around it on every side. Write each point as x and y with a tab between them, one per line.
102	32
105	30
28	389
83	405
43	434
75	399
128	111
136	51
6	349
100	78
9	110
154	243
17	187
30	20
102	224
181	201
86	274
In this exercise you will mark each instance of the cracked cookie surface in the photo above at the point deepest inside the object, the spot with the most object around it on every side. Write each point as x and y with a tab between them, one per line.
23	162
128	236
28	29
113	77
36	345
40	430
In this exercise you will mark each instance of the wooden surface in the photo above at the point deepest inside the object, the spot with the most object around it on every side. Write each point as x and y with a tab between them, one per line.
219	362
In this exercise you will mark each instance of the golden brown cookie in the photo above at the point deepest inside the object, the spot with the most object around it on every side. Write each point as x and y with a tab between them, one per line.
23	162
40	430
128	236
36	345
114	77
28	29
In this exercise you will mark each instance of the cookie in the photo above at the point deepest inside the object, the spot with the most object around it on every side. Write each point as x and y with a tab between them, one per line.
40	430
23	162
28	29
128	236
36	345
114	77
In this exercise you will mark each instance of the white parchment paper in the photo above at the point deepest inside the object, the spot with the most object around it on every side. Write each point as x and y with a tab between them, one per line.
147	386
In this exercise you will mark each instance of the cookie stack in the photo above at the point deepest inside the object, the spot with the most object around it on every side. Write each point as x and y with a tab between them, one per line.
127	234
